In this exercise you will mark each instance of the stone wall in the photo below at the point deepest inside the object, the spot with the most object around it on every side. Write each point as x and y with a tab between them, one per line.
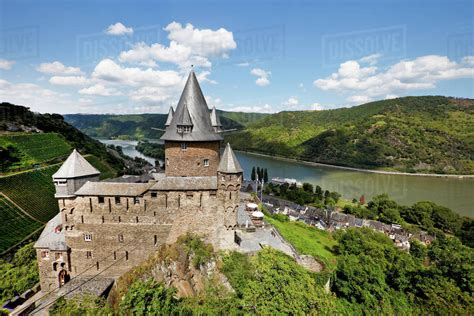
190	162
124	234
49	267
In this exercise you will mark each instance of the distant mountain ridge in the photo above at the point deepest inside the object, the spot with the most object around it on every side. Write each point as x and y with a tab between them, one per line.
429	134
139	126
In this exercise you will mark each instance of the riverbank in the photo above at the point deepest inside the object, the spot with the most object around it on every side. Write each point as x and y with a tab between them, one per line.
316	164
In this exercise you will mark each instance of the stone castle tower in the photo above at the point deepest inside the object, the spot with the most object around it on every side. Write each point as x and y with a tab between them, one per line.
109	227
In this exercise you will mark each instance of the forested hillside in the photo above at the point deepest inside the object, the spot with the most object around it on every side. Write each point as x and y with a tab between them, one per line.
15	119
429	134
140	126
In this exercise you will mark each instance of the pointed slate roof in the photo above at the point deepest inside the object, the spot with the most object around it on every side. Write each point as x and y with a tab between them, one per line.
192	101
184	117
215	121
170	116
75	166
229	163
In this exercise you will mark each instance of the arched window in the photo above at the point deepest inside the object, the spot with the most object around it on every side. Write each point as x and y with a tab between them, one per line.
55	266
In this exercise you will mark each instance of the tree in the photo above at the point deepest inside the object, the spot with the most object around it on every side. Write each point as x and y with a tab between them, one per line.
308	187
258	174
326	194
318	192
149	298
265	176
253	176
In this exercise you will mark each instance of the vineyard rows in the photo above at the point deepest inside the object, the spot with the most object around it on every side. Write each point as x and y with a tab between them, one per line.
15	225
33	191
39	147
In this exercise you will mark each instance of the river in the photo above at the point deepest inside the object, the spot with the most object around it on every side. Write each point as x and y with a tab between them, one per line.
455	193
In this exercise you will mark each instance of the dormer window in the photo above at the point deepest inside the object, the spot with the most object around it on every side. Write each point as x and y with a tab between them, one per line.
184	128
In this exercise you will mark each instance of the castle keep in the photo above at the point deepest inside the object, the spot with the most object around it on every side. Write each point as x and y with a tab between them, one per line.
107	228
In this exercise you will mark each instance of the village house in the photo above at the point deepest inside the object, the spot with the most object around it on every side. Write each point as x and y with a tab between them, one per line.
108	227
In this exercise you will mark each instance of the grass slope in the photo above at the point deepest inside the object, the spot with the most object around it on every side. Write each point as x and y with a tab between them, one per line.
15	224
307	240
413	134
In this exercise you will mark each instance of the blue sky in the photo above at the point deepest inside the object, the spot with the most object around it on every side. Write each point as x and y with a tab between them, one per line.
268	56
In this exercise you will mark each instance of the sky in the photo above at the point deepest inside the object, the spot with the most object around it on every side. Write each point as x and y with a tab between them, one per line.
128	57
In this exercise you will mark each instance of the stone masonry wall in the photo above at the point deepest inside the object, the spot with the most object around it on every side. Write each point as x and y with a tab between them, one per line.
190	162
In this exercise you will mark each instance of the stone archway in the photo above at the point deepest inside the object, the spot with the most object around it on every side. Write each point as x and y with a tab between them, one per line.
63	277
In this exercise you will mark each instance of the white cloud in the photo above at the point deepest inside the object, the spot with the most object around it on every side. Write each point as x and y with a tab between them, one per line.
371	59
99	89
36	97
316	107
118	29
69	80
266	108
243	64
6	64
369	82
57	68
262	75
391	96
109	71
469	60
188	46
358	99
148	55
150	95
292	102
203	42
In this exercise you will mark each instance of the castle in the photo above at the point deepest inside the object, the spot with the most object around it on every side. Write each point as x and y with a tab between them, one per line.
107	228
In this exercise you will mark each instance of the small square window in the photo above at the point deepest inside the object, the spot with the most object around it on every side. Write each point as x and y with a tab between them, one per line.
101	200
120	238
184	146
154	194
136	200
206	162
117	200
45	254
87	237
88	254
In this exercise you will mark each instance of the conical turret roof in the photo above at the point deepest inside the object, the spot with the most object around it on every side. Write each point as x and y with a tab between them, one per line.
75	166
192	101
170	116
215	121
229	163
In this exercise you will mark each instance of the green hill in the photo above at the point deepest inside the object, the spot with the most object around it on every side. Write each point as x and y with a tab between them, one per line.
139	126
429	134
15	120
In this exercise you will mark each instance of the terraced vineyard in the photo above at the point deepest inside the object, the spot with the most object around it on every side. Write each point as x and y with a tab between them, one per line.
36	148
15	225
33	191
